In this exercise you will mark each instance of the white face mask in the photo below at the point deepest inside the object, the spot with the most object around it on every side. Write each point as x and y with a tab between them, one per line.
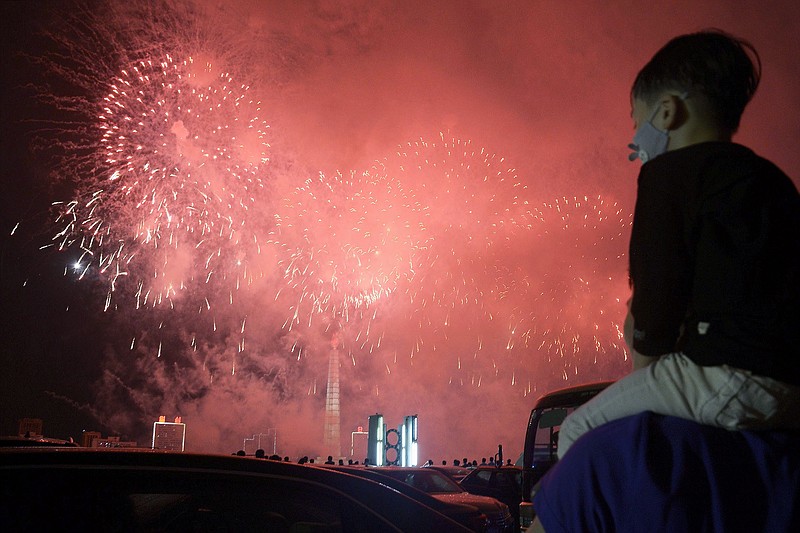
649	141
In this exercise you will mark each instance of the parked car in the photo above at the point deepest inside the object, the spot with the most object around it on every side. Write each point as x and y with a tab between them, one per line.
438	485
467	515
501	483
541	438
15	441
78	489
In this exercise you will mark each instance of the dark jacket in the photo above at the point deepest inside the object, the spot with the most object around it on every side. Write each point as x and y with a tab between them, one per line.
715	260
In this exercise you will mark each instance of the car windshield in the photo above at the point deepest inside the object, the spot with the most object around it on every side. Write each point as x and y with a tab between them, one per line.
455	472
429	481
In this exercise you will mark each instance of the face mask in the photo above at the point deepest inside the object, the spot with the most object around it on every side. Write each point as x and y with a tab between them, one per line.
649	141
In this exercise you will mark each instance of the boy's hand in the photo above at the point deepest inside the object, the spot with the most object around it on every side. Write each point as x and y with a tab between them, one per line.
639	360
627	327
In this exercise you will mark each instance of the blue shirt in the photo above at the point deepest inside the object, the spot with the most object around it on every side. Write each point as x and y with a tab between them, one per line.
654	473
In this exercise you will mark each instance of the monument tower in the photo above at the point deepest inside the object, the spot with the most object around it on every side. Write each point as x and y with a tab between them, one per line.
332	434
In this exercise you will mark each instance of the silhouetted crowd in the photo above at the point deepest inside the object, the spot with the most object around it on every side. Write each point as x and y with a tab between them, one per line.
459	463
466	463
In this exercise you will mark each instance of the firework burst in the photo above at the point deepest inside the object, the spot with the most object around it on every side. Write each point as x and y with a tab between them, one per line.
439	252
436	264
505	287
566	308
469	210
346	243
169	173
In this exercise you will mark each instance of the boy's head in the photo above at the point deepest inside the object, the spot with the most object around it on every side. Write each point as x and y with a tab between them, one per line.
711	66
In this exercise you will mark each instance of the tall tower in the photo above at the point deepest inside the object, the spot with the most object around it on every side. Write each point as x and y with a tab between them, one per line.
332	436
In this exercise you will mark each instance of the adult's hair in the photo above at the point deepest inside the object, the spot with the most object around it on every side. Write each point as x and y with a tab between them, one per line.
716	65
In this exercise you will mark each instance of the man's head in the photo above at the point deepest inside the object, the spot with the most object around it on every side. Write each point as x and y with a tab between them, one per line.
717	71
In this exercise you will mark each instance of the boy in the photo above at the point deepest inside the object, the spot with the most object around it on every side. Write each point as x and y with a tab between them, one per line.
714	317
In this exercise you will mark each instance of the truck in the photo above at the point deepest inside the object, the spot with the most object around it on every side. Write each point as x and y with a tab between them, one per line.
541	438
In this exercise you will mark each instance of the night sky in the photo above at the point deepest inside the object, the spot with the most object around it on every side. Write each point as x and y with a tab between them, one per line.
447	204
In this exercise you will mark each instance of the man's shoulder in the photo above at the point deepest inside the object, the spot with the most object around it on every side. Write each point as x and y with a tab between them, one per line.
647	434
684	472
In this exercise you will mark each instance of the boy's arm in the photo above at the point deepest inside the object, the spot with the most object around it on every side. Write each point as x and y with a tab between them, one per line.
660	264
639	360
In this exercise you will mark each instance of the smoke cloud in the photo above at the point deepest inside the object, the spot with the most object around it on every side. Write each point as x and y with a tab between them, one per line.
447	204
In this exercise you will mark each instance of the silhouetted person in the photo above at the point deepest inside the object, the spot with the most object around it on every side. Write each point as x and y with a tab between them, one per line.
483	461
241	453
260	453
330	460
456	462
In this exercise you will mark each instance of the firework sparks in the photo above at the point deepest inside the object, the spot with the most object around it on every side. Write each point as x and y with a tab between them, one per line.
565	307
439	252
471	207
505	285
346	243
179	167
436	265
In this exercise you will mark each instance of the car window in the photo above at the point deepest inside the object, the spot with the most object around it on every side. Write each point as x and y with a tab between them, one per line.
442	483
546	441
426	480
505	479
482	478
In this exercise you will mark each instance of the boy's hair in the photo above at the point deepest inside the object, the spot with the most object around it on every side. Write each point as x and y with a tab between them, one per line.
712	63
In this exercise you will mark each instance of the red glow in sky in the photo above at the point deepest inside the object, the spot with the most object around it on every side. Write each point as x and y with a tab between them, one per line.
447	193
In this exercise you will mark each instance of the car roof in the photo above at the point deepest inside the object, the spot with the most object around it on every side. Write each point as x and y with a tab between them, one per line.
494	467
37	440
398	471
491	468
384	501
451	470
395	468
570	395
